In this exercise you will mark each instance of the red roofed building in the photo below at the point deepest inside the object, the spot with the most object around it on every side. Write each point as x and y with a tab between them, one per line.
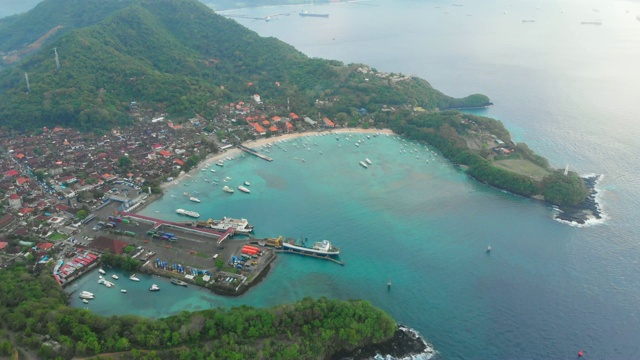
3	245
20	156
328	122
273	128
25	211
259	129
164	153
179	162
289	126
21	181
12	173
276	118
15	201
265	123
45	246
104	243
293	116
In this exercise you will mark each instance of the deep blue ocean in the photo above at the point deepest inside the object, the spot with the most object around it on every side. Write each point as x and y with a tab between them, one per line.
547	290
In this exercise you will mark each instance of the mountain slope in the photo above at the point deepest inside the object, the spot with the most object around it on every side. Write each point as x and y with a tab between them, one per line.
19	30
177	56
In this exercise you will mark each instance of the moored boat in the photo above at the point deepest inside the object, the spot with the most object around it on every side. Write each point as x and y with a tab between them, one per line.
101	271
178	282
194	199
227	189
244	189
323	247
85	301
368	161
363	164
114	276
154	287
133	278
86	295
220	163
247	183
123	291
188	213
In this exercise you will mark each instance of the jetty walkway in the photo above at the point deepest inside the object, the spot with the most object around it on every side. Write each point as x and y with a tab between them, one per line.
253	152
222	236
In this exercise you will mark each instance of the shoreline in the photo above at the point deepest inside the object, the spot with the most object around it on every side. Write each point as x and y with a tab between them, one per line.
235	152
589	212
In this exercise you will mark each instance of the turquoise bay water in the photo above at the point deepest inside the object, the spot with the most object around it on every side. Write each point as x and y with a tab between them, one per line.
547	289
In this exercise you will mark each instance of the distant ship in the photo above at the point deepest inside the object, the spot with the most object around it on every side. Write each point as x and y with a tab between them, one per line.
528	21
244	189
241	226
363	164
227	189
188	213
194	199
597	22
323	247
304	13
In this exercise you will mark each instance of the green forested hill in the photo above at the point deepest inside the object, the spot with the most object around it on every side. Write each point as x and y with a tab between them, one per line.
178	55
19	30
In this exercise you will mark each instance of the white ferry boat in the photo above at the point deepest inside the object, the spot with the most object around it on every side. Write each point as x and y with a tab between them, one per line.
244	189
364	165
323	247
226	188
188	213
241	226
194	199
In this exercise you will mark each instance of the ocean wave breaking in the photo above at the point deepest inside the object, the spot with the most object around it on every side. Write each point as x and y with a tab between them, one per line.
406	344
590	212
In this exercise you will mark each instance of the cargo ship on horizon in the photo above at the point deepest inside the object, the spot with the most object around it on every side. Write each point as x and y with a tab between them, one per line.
304	13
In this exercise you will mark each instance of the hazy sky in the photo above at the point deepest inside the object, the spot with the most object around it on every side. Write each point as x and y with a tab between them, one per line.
10	7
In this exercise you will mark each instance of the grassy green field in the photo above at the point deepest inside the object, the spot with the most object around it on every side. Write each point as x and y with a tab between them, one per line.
57	236
523	167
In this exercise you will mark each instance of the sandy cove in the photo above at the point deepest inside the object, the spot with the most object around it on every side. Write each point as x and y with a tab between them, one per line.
235	152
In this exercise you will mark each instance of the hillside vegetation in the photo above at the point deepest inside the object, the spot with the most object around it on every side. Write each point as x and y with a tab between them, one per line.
34	318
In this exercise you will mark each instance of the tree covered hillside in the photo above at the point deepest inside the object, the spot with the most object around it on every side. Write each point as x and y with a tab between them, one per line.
34	318
178	56
22	29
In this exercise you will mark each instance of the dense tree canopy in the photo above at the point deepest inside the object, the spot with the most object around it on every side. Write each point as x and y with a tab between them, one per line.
34	305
